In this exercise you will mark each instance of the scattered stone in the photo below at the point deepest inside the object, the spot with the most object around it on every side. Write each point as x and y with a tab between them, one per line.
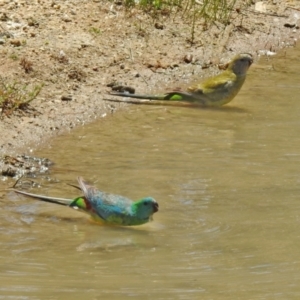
222	66
159	26
289	25
188	58
17	166
26	65
66	98
260	7
206	65
266	52
66	18
122	89
9	172
77	74
16	43
4	17
33	22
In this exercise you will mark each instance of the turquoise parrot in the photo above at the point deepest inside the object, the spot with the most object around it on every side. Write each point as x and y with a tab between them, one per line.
106	208
214	91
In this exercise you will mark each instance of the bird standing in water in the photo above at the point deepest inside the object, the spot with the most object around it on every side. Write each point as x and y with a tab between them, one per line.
214	91
106	208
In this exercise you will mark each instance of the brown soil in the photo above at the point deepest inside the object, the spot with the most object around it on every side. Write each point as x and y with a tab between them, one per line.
76	48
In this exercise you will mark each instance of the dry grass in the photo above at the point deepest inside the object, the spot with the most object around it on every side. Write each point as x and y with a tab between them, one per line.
209	10
206	11
15	96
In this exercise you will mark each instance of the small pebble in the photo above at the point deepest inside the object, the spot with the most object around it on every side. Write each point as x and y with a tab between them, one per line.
66	97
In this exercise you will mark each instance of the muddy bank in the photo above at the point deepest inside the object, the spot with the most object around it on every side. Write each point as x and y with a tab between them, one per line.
75	49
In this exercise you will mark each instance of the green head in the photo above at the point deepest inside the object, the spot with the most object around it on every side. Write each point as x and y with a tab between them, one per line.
143	209
240	64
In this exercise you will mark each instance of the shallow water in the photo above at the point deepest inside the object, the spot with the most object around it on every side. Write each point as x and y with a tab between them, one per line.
227	182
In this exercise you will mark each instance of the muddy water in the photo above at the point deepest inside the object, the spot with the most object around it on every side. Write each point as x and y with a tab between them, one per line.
227	182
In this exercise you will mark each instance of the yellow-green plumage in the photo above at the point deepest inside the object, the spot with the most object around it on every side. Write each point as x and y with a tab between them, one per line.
214	91
222	88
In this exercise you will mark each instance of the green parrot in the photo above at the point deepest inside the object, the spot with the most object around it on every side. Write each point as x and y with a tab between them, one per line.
214	91
106	208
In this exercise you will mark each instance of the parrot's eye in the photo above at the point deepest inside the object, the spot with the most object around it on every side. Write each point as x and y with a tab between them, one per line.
146	203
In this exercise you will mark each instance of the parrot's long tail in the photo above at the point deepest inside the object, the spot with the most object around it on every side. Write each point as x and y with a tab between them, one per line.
173	96
60	201
149	97
153	102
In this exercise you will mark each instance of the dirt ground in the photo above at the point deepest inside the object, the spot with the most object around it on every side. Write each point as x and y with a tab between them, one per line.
76	48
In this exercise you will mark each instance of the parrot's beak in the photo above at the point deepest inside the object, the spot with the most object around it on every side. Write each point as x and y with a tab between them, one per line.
155	207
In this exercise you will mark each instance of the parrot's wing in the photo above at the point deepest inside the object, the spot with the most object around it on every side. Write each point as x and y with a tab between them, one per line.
104	204
87	189
220	82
